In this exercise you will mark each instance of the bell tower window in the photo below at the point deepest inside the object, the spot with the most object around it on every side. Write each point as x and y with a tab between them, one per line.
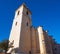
18	12
27	12
27	23
16	23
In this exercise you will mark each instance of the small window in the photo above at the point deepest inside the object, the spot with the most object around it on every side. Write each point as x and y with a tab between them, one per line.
16	23
18	12
27	24
27	12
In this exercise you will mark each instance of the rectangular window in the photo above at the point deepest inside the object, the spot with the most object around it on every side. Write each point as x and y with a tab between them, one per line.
16	23
18	12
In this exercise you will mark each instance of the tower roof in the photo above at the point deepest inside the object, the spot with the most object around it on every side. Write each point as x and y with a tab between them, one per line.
24	5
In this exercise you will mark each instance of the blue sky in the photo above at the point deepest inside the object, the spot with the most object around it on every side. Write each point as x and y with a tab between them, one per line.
45	13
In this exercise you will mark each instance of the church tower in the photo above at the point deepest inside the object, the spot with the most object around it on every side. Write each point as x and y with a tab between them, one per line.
20	39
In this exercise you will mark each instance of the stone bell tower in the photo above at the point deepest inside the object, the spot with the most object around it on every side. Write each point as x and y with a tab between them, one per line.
20	39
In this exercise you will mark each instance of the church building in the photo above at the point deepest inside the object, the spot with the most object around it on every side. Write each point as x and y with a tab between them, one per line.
25	39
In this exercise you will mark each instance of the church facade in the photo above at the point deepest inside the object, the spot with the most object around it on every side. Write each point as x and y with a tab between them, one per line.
25	39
